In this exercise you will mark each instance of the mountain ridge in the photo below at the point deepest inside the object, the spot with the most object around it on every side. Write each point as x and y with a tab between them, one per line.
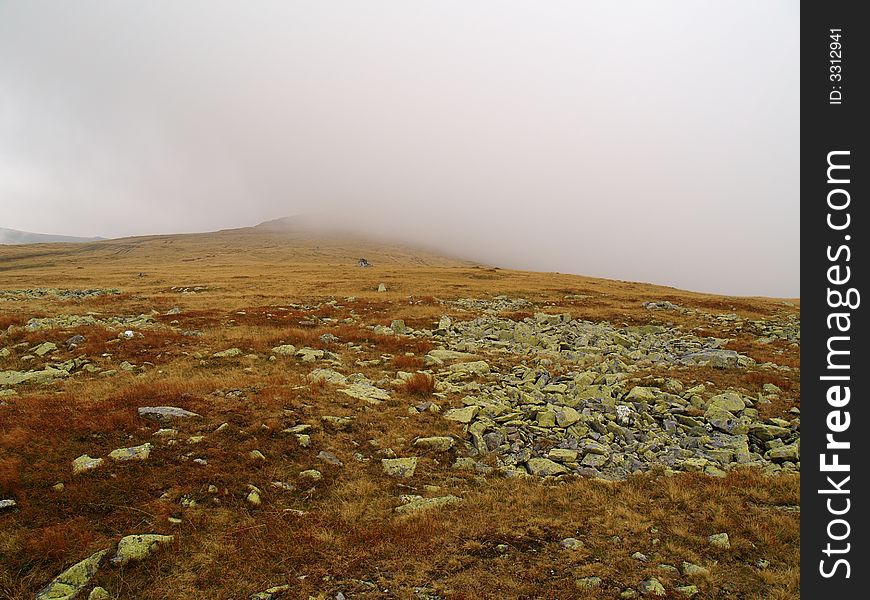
15	237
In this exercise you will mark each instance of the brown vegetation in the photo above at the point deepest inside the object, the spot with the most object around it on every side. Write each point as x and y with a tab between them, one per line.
403	362
321	537
419	384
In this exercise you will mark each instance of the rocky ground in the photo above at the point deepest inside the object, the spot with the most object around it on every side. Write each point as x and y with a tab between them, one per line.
184	440
546	396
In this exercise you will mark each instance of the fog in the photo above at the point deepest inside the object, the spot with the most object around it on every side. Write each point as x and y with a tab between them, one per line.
648	141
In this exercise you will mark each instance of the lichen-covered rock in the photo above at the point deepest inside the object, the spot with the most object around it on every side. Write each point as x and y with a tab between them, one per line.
85	463
133	453
726	421
310	354
651	587
543	467
562	455
436	443
165	413
721	359
462	415
567	417
98	593
642	394
588	583
418	504
71	582
228	353
254	498
330	458
477	367
366	391
73	321
273	593
327	375
40	377
766	432
445	355
693	570
730	401
311	474
284	350
44	348
546	418
337	423
399	467
138	546
790	452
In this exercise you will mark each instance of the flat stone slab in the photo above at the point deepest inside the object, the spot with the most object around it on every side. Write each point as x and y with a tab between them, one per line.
364	391
327	375
462	415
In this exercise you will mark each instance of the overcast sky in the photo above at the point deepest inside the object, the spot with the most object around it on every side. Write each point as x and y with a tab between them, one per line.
649	141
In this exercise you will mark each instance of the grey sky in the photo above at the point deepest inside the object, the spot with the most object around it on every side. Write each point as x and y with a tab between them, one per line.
651	141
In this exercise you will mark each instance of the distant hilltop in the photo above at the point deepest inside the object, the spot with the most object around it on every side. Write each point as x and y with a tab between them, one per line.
10	237
308	223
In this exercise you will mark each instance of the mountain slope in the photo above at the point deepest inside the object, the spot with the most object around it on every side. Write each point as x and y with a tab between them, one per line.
470	432
14	236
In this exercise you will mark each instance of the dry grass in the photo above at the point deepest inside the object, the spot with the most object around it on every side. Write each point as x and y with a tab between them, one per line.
776	352
421	385
404	362
322	536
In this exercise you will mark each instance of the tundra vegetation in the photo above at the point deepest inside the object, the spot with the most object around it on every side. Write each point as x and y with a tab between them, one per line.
245	415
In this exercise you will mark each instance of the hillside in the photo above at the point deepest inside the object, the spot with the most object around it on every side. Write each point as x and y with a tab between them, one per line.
282	429
15	236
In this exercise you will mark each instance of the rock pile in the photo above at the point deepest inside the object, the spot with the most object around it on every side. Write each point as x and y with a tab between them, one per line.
35	293
72	321
785	328
591	418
